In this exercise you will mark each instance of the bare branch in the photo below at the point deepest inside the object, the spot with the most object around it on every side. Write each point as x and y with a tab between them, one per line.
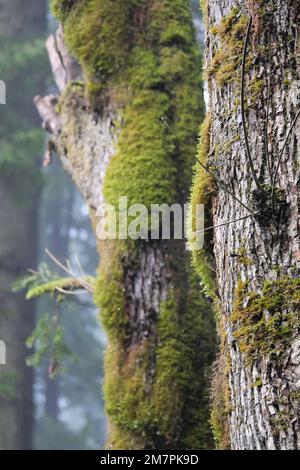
46	106
64	66
77	260
58	263
227	223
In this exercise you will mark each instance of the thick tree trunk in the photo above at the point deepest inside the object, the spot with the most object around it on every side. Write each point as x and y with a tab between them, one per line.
19	194
16	322
129	129
256	258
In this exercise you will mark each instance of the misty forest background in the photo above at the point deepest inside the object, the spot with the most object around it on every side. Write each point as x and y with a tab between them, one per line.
67	412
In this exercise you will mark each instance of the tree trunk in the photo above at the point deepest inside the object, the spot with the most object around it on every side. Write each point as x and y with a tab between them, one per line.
59	213
129	128
19	194
256	259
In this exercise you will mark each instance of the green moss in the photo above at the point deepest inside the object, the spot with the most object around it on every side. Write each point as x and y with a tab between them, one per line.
109	294
228	58
220	393
128	403
257	383
52	287
221	400
145	140
61	8
264	322
99	34
172	412
180	389
256	87
243	257
158	131
203	189
204	8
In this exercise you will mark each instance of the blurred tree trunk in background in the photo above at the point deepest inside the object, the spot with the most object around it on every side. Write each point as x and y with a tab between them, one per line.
22	27
60	215
129	128
256	259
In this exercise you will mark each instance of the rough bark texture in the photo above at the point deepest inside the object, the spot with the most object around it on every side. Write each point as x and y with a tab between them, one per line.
257	259
160	328
19	192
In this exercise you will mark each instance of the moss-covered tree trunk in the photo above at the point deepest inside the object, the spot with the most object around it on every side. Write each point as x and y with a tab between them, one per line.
256	259
21	28
129	128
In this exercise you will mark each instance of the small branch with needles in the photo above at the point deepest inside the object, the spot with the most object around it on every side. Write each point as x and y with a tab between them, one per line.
43	281
67	268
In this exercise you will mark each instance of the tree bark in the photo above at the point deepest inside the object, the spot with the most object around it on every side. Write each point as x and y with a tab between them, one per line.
256	259
106	130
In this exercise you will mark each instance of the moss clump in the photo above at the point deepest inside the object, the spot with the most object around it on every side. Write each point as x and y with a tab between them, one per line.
243	257
99	34
186	345
128	402
264	322
144	138
158	127
221	400
61	8
203	189
166	408
109	293
256	87
228	58
204	9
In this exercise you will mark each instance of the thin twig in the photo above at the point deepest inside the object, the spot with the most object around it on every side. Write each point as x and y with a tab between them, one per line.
59	263
68	265
243	104
280	157
227	223
77	260
32	271
222	185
